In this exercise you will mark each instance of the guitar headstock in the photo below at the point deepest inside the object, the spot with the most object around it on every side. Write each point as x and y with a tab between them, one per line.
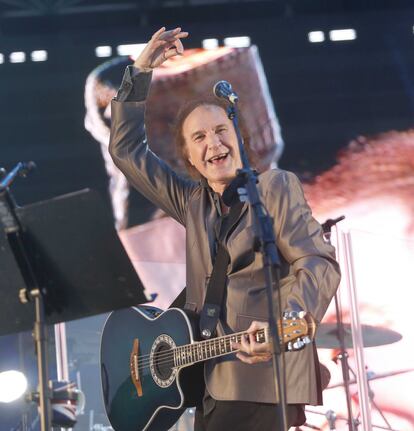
299	329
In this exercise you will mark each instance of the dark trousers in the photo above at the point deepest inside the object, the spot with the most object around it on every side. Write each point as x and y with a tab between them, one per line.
245	416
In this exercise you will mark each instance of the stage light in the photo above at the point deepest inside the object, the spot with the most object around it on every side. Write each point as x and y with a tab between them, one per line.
1	58
103	51
17	57
210	43
237	42
13	385
344	34
39	55
133	49
316	36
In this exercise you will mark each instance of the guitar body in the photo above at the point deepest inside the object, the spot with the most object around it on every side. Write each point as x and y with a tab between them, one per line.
159	400
152	363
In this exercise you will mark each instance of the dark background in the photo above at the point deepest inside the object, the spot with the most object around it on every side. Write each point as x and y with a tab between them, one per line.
325	94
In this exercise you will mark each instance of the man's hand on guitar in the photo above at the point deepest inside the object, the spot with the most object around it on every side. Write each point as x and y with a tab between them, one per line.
252	352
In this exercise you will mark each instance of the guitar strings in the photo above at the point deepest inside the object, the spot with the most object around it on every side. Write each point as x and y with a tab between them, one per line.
225	338
171	359
168	356
166	360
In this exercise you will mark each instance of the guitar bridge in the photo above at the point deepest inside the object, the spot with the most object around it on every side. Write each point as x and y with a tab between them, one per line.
134	368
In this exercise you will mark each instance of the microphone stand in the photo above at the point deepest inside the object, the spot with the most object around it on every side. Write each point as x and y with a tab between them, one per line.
267	245
33	292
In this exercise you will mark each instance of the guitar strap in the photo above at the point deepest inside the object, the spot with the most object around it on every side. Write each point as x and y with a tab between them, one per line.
215	289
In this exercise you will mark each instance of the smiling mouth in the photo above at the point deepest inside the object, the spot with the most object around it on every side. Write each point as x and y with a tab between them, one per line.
217	158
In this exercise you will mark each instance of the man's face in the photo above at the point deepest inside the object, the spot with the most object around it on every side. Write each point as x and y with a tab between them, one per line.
212	146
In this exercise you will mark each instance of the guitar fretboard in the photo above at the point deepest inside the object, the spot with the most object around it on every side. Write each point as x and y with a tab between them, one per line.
208	349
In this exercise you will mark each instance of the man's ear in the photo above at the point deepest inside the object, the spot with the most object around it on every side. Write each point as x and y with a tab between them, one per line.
190	161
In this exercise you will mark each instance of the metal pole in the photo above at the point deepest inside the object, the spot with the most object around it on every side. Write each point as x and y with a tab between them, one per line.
40	337
343	356
357	340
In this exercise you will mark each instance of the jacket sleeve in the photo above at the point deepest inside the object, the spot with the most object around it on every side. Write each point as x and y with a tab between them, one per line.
299	239
129	150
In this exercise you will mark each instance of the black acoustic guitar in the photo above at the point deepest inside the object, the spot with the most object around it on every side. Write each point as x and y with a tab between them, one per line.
152	367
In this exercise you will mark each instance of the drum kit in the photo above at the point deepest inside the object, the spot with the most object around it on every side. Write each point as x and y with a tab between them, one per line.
337	336
327	338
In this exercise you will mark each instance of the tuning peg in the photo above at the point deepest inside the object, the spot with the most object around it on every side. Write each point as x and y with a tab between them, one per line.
298	344
293	346
307	339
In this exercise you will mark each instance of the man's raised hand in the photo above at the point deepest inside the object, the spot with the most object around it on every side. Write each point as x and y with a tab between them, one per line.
163	45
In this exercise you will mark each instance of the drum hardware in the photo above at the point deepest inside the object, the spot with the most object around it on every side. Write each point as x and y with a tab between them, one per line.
331	417
339	336
373	376
327	231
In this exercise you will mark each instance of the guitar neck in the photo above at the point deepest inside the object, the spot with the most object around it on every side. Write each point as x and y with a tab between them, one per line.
296	328
208	349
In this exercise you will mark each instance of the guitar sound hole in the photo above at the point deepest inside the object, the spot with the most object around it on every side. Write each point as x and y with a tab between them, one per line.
163	361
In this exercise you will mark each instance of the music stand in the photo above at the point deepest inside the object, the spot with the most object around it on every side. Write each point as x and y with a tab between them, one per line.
65	255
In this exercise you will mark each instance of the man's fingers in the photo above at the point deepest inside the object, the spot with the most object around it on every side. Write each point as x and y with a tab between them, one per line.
158	33
179	46
245	345
157	43
252	339
255	326
173	34
235	345
169	35
244	358
171	47
172	52
250	351
253	359
182	35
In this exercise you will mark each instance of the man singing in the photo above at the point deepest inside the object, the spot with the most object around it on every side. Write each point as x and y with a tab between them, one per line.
239	393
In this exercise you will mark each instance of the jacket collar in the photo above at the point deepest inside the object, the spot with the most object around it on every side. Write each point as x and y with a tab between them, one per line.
230	194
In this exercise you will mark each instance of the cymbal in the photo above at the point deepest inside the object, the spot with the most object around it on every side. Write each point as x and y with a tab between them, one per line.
327	336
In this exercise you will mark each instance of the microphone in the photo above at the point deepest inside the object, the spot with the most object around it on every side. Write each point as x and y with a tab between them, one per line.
223	90
26	168
22	169
326	227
